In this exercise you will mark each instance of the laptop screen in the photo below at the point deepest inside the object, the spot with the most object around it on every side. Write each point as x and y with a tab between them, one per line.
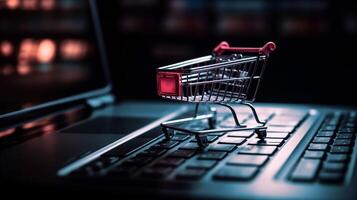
48	51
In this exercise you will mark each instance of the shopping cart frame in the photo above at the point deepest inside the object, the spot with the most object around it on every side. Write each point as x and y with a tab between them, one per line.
201	135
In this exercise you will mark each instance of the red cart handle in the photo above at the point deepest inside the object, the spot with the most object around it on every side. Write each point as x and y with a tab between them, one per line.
224	46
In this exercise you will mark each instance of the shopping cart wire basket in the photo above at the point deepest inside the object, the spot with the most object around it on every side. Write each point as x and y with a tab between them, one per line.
229	75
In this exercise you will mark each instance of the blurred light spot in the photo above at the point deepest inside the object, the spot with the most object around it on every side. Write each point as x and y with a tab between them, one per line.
46	51
34	124
48	4
73	49
248	25
23	69
6	48
302	26
49	128
29	4
30	125
28	49
12	4
7	132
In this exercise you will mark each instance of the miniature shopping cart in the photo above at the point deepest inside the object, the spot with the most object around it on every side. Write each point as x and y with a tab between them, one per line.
229	75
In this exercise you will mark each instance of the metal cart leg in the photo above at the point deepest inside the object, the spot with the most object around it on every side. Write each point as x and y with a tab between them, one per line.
196	109
167	133
212	121
254	113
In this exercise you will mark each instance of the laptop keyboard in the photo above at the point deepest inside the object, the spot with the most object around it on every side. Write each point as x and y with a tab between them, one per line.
327	155
181	159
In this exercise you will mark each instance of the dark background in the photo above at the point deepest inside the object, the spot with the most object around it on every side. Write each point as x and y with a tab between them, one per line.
315	61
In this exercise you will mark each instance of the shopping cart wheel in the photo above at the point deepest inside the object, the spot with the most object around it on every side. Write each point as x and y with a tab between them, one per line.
167	133
202	140
262	133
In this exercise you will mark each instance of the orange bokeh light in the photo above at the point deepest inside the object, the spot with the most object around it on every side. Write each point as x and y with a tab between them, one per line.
23	69
12	4
46	51
48	4
49	128
6	48
28	49
29	4
73	49
7	132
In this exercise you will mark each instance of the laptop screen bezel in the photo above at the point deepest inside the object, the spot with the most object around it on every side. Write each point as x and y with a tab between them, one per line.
81	96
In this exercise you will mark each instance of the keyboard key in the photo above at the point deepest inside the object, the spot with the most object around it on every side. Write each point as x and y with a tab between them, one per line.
333	167
123	171
190	174
344	136
156	172
180	137
314	154
210	138
289	117
266	142
231	123
154	152
264	116
331	177
324	140
340	149
349	125
108	161
190	145
170	162
138	161
244	134
182	153
275	135
217	134
325	133
222	147
318	147
232	140
284	129
212	155
333	122
306	170
240	159
346	130
329	128
165	144
277	122
342	142
337	158
181	133
235	173
84	171
130	146
201	164
260	150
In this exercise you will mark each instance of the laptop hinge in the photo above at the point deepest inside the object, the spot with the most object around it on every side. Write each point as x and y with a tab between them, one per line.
101	101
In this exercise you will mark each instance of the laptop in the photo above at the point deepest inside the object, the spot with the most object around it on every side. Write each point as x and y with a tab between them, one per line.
62	131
